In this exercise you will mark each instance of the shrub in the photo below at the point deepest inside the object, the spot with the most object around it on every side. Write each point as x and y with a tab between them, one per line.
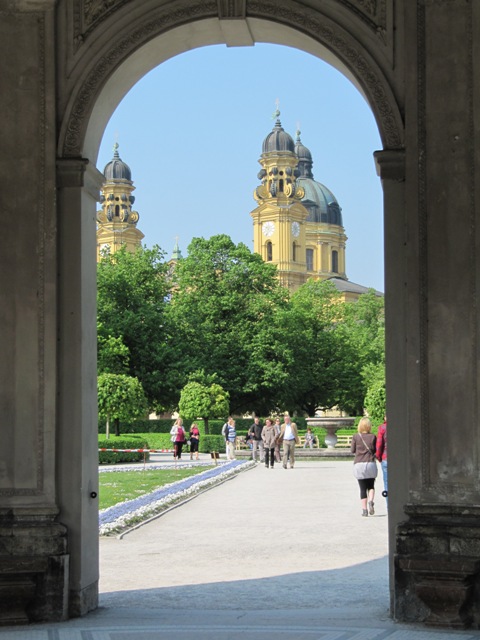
211	443
115	457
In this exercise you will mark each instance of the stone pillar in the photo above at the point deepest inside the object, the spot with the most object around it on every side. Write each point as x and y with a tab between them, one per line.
391	169
78	192
33	545
437	542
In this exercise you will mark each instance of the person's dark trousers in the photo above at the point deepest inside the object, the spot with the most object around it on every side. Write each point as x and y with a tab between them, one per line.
178	450
269	456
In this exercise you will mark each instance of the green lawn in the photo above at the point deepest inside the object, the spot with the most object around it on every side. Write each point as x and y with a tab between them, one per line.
117	486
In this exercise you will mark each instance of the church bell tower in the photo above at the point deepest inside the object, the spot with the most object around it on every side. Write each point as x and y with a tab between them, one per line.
279	220
116	222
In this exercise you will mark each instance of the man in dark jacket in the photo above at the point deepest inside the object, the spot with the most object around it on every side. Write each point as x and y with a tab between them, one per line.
382	454
256	433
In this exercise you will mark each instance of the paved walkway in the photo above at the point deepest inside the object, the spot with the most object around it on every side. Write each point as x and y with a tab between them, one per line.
270	554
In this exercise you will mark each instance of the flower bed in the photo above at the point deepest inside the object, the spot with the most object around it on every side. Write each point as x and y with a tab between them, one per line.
130	512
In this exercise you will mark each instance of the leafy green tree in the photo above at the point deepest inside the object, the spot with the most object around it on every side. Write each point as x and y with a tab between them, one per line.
112	355
133	292
203	398
364	329
222	308
375	398
315	348
120	397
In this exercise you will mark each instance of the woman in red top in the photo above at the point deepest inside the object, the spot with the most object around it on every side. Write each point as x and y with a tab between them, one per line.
194	440
382	455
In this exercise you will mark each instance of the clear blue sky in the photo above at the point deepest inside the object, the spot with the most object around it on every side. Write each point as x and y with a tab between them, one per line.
192	130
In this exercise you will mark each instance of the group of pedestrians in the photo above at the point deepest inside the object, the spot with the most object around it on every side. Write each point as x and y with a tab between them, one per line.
266	440
179	439
369	448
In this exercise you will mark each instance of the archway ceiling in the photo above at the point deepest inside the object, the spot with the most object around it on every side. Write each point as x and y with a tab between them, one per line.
104	73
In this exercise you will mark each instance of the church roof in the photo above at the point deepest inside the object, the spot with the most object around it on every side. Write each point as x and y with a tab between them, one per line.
116	169
278	139
318	200
345	286
176	253
304	157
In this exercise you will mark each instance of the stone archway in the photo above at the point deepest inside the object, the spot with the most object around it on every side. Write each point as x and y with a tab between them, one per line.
152	37
74	60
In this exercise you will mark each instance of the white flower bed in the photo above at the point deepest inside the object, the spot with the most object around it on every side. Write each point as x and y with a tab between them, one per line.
130	512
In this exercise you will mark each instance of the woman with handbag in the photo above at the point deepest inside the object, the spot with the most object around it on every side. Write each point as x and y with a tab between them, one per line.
178	438
269	437
365	464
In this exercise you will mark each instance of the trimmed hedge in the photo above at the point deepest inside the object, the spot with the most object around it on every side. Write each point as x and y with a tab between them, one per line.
115	457
165	424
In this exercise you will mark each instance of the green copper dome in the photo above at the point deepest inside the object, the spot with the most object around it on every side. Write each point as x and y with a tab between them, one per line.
320	202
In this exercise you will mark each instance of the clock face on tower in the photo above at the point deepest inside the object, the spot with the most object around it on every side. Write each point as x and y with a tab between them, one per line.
268	229
295	229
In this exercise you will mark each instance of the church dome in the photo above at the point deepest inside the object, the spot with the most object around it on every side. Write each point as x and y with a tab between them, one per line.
304	156
301	150
321	204
278	139
116	169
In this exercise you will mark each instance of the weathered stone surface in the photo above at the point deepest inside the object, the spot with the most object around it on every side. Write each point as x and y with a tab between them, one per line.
33	571
64	67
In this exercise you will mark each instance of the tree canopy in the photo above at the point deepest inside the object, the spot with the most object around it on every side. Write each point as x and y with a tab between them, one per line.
221	311
134	336
204	398
222	308
120	397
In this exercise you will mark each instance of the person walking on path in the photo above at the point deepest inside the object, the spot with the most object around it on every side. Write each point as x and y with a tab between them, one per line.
178	438
194	440
269	437
230	437
382	454
277	441
224	434
256	432
289	437
365	464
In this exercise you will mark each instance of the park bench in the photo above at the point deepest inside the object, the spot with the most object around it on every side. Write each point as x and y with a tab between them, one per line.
343	441
316	443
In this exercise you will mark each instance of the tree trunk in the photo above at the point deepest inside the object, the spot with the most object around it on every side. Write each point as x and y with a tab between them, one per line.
205	423
107	428
116	422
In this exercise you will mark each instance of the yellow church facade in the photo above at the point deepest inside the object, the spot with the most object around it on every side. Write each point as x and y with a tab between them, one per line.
297	224
116	221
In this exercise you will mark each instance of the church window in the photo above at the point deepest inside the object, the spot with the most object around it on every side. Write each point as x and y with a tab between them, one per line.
335	261
117	210
294	252
309	259
269	252
280	185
